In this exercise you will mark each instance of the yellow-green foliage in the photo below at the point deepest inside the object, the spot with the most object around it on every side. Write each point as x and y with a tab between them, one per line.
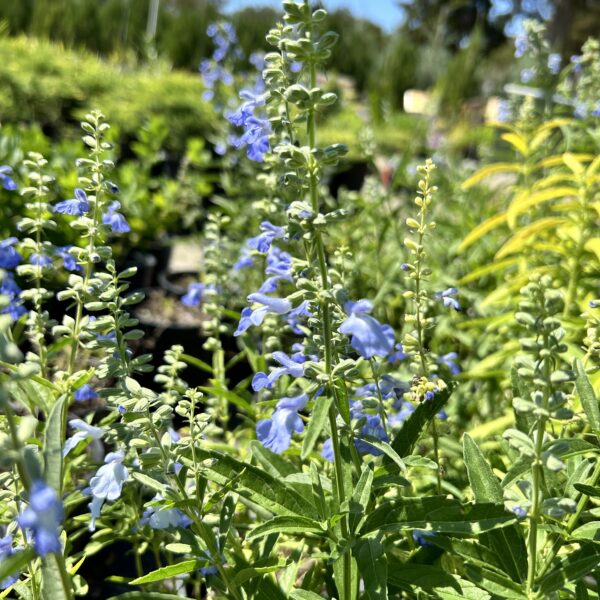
45	83
547	217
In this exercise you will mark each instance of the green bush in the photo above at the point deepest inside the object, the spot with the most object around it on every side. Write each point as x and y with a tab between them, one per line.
46	84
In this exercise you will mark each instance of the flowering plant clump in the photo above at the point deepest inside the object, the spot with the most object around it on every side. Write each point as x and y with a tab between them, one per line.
425	429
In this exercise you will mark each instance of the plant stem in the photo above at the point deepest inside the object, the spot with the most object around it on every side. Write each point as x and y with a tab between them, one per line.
344	590
536	481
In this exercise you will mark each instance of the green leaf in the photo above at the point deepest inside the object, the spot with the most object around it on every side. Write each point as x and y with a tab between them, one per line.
507	543
360	497
257	485
304	595
292	524
589	402
147	596
385	448
53	444
572	567
272	463
187	566
484	483
497	584
317	421
437	513
268	565
52	584
14	564
372	565
589	531
434	581
230	397
588	490
149	482
408	436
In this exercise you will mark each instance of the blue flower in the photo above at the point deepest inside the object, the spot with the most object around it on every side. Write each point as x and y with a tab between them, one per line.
295	316
77	206
447	299
255	138
554	61
372	427
194	294
398	355
163	517
12	291
521	45
6	551
449	361
40	260
527	75
519	511
327	450
276	433
115	220
107	484
245	260
8	183
288	367
84	393
596	111
405	410
84	432
9	257
420	536
256	316
43	516
269	232
69	261
369	337
279	267
576	61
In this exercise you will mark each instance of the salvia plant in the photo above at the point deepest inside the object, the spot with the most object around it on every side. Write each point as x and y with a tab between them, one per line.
326	453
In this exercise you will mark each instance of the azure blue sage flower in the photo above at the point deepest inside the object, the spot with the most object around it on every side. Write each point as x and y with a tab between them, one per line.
43	517
77	206
10	289
40	260
288	367
6	551
84	432
107	484
163	517
521	45
554	61
193	296
8	183
368	336
296	315
372	427
447	299
276	433
278	267
115	220
449	360
420	536
9	257
69	261
84	393
249	317
269	232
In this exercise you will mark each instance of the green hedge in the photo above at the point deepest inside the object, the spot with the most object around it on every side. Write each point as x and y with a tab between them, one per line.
46	84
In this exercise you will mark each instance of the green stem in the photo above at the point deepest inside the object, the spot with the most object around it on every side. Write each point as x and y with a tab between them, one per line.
536	482
345	591
199	525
